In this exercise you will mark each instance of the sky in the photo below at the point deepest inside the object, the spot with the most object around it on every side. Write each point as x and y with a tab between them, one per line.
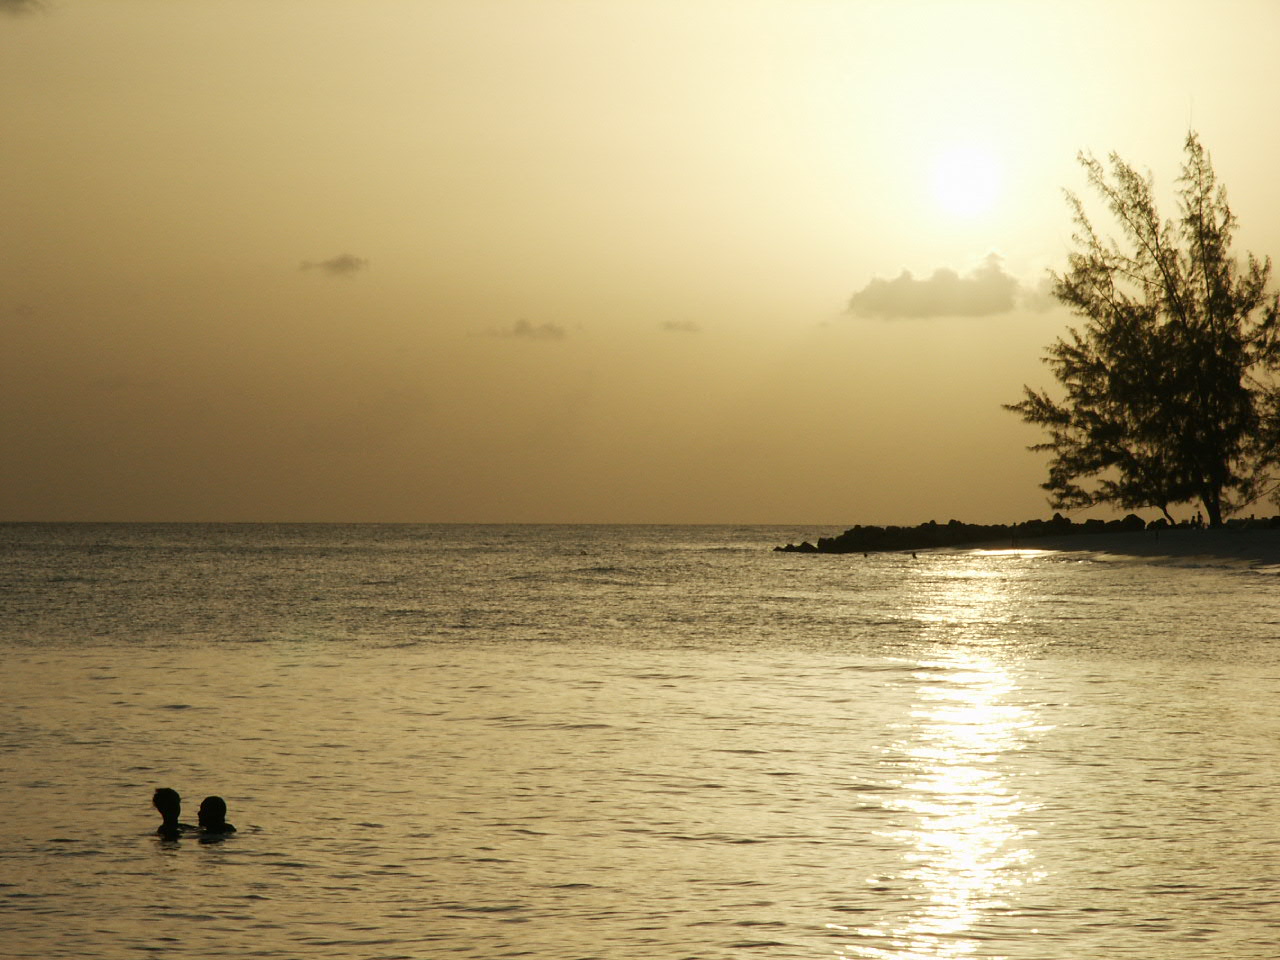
706	261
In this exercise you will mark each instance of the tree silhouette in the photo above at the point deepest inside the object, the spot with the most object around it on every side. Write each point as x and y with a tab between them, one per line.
1170	384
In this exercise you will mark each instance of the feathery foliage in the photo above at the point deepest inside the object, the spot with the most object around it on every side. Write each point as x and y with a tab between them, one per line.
1170	383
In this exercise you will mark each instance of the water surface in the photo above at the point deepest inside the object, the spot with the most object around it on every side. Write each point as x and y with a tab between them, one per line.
631	742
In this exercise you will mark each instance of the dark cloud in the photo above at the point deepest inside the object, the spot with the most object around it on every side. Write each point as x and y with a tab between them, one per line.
681	326
524	330
17	8
985	290
343	265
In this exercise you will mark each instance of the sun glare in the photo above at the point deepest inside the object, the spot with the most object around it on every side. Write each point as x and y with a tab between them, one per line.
966	180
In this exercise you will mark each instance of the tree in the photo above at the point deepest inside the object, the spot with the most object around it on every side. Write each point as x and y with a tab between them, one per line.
1171	383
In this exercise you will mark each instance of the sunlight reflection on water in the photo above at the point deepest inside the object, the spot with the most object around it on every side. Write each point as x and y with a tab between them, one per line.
963	847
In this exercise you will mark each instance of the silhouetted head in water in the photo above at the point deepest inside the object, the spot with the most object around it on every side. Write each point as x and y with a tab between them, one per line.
169	804
213	816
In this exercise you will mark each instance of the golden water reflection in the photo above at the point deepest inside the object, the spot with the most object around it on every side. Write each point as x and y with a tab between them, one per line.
955	798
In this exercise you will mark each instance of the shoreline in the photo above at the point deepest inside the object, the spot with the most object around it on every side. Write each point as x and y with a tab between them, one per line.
1259	547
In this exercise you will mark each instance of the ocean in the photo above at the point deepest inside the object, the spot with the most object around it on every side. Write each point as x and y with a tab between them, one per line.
572	742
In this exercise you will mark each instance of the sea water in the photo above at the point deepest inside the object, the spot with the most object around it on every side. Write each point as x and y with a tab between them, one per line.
631	742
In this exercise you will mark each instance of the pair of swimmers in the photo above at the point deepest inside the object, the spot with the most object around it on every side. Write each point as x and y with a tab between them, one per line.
212	815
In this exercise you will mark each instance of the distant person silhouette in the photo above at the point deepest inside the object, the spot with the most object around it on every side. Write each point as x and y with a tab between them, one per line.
167	801
213	816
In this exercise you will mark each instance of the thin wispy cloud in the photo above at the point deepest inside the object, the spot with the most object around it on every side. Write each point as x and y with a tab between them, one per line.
17	8
343	265
984	291
524	330
680	326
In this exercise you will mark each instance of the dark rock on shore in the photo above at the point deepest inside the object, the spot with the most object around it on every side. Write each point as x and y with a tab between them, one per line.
933	535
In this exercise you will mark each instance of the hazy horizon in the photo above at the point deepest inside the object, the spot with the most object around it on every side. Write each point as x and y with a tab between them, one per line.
710	262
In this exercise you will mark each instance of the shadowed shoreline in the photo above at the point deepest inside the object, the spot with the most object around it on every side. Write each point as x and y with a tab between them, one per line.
1256	540
1257	545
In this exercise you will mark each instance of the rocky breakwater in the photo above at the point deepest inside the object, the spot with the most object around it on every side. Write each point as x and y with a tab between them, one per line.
934	535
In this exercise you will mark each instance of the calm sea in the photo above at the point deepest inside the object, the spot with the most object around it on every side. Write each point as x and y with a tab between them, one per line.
631	742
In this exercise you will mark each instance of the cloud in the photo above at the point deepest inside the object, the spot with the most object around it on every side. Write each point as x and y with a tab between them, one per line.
985	290
343	265
681	326
25	312
524	330
17	8
1039	298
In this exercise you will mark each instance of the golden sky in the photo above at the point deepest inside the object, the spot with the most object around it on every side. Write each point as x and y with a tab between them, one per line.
569	260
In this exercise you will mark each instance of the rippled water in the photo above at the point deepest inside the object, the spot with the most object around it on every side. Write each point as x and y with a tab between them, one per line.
631	743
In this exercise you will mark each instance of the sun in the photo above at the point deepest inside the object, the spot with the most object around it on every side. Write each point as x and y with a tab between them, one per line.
966	179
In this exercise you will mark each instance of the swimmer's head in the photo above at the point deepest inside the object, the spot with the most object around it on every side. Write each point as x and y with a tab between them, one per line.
169	804
213	812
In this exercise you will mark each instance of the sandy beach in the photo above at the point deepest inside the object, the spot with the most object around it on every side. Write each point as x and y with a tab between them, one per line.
1259	547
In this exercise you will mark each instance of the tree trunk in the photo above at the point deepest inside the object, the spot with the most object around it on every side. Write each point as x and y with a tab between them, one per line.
1213	507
